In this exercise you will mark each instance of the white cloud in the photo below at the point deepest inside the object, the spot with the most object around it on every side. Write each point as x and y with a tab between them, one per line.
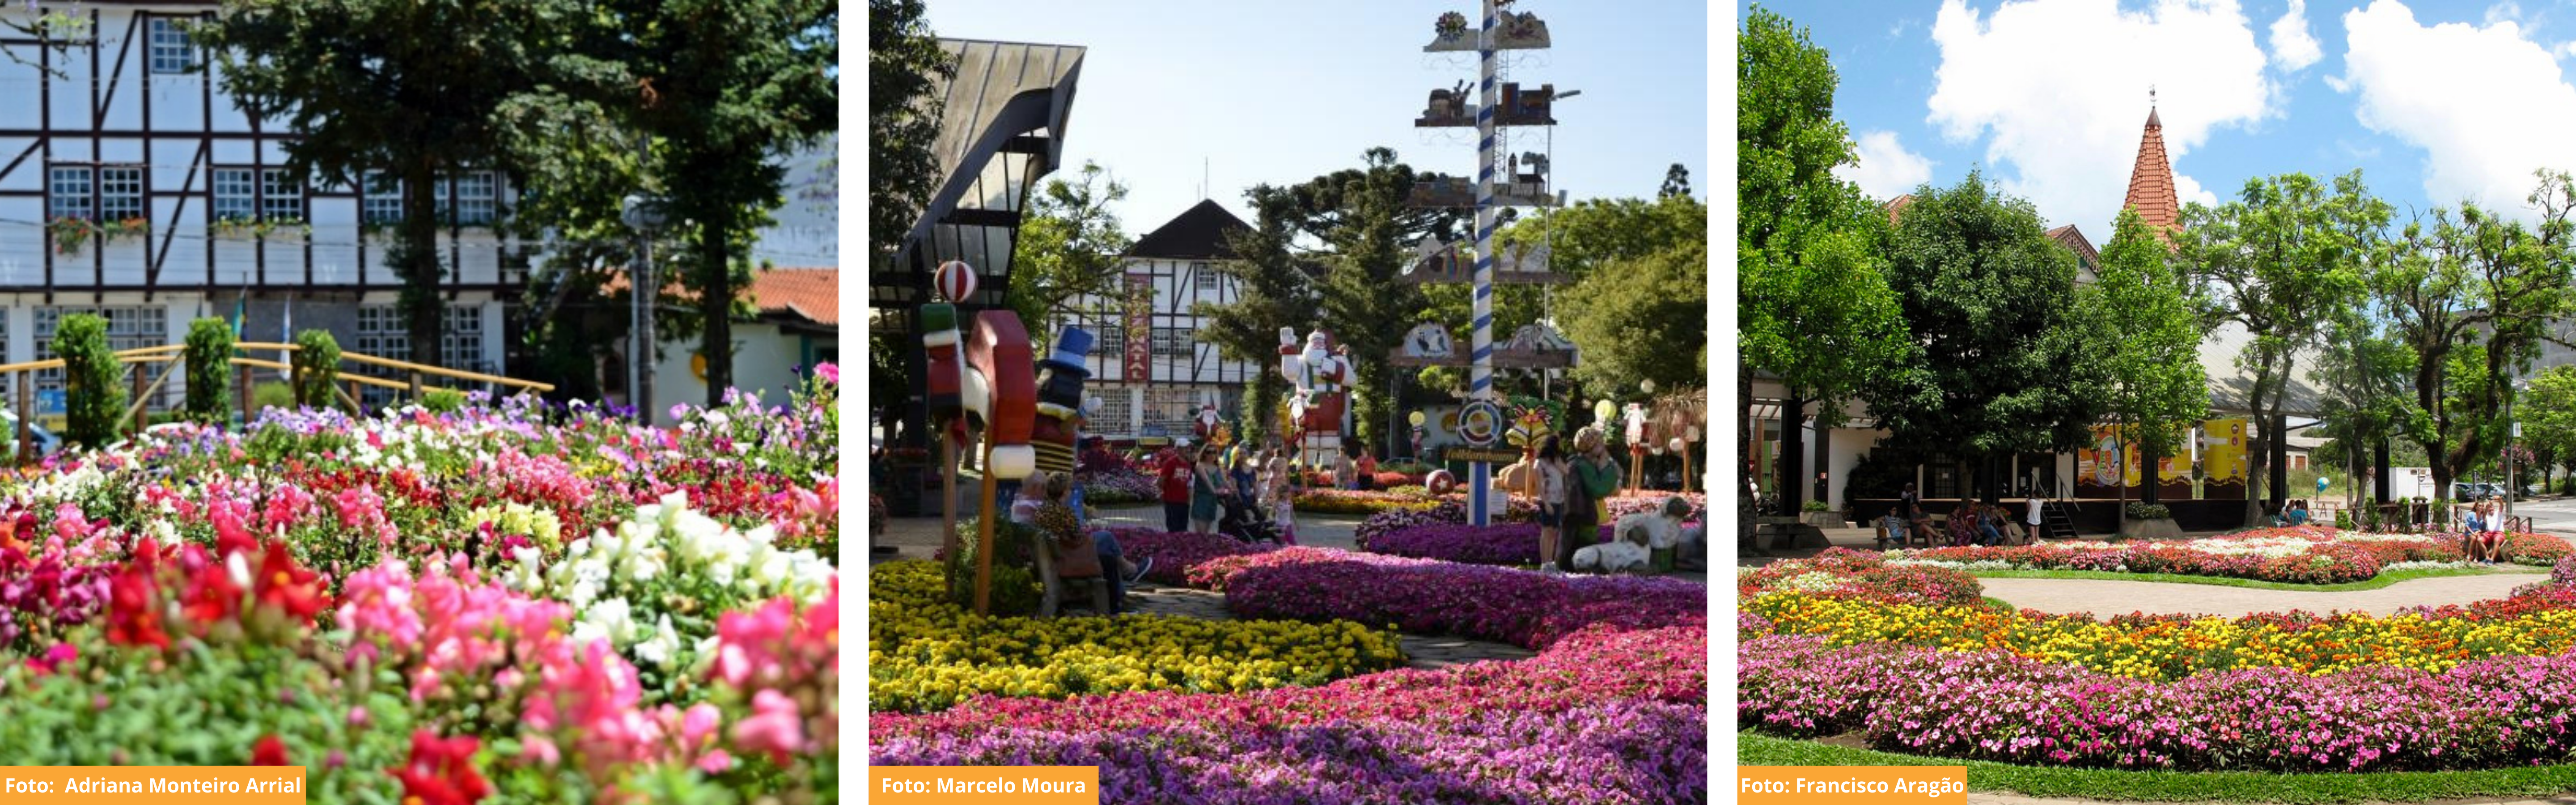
2485	104
2189	191
2293	49
2507	11
1886	169
2060	91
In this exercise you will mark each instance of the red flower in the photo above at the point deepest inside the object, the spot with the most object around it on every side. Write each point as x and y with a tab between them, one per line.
212	595
269	752
133	601
287	586
441	772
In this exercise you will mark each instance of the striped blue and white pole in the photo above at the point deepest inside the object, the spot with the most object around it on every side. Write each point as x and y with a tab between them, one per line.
1480	373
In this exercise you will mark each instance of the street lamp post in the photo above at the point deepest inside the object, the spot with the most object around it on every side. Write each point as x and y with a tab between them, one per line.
643	215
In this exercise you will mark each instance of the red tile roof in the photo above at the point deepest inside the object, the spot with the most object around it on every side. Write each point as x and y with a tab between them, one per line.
2074	241
1896	206
812	294
2151	184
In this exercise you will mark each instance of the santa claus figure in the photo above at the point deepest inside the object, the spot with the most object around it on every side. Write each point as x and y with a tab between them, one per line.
1320	371
1205	426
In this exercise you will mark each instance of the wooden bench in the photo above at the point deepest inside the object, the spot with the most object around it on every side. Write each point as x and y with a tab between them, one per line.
1056	587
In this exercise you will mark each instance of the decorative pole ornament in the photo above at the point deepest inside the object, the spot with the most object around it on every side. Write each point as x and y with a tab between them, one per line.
1000	391
954	280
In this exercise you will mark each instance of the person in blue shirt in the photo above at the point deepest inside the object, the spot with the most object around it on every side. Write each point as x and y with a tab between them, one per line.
2297	514
2477	534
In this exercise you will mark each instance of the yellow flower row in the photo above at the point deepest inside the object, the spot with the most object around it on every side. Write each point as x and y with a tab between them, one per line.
2169	649
925	653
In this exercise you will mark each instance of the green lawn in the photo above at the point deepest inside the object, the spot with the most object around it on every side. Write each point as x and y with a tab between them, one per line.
2163	786
2373	583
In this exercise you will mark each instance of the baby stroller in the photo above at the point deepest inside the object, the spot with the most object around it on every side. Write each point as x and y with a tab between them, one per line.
1248	523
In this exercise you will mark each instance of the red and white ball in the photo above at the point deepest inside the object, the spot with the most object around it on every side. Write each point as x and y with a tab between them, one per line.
954	280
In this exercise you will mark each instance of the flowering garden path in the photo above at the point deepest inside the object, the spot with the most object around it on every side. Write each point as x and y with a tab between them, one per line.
2105	597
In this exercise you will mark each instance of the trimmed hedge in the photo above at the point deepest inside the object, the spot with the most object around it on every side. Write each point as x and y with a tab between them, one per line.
210	370
317	368
95	403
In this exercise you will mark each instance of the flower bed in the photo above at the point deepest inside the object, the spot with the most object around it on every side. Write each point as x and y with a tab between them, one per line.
1117	487
1614	702
925	653
2455	688
1175	553
444	607
1520	607
2305	554
1352	501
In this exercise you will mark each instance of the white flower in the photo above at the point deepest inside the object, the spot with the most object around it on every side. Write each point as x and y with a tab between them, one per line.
238	567
661	648
610	618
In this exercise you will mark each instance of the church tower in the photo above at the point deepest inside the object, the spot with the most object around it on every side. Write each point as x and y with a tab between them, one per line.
2151	184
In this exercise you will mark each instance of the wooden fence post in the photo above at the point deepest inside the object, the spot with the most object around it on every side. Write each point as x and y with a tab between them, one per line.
26	415
415	385
141	411
246	409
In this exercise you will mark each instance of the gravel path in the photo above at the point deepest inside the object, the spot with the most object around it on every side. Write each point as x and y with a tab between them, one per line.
2104	597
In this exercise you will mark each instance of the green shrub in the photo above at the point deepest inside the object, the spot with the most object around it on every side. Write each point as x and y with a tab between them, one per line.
1813	506
2343	520
2149	511
210	370
1015	578
95	402
272	395
443	401
317	368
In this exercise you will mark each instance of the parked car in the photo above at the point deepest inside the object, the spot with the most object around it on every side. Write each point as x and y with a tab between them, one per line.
46	442
2467	491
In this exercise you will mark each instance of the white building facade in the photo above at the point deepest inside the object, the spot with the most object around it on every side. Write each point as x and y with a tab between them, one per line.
133	187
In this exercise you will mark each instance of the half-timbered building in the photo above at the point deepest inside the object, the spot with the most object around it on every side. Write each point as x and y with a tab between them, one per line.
1153	388
132	186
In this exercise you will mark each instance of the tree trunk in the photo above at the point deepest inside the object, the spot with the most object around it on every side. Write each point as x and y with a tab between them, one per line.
2379	471
1793	412
415	260
715	304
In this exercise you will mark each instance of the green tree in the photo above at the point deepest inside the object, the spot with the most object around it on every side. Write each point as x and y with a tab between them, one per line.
1641	319
403	86
2280	262
725	87
2363	400
210	370
1273	289
2149	342
1813	308
2548	415
2473	296
1676	182
904	62
2004	363
1068	252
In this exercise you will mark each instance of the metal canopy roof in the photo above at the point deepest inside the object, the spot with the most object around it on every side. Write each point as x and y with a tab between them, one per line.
1001	130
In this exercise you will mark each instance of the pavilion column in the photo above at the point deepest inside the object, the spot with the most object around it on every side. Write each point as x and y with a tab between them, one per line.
2147	470
1824	460
1793	413
2379	471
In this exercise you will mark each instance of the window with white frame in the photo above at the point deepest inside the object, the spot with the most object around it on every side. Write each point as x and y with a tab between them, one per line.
172	52
120	193
1171	341
382	332
384	202
1208	277
1116	409
67	193
1110	341
470	199
1171	409
281	195
461	331
236	194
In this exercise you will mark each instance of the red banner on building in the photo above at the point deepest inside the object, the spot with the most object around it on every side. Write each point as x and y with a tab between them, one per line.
1140	329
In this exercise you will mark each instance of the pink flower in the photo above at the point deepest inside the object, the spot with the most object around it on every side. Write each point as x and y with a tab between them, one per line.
828	372
69	523
774	727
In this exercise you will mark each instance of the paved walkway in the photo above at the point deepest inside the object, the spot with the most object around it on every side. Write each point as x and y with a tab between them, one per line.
2104	597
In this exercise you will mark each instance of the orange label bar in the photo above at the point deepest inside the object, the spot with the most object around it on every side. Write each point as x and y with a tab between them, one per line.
116	785
984	785
1850	785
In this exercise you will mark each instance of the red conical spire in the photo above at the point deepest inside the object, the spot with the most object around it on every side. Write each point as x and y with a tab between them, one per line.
2151	184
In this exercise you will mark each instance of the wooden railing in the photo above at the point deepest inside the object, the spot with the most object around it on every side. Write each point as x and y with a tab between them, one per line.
421	378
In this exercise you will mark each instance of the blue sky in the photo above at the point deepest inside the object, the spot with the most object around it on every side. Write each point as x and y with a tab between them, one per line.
2434	102
1281	93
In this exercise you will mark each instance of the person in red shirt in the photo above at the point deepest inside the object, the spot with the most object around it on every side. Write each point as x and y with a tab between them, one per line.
1368	468
1172	471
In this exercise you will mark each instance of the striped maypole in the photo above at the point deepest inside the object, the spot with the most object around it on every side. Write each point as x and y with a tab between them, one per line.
1480	374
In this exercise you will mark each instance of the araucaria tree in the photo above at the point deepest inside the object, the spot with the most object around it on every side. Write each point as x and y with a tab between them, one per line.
2148	342
2472	295
1272	290
2003	364
1814	308
407	87
2278	264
